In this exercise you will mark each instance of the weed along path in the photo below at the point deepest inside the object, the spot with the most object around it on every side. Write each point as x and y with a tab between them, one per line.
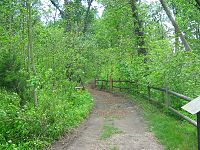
115	124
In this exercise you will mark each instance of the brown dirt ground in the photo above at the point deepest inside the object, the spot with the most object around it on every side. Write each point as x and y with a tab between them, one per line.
118	112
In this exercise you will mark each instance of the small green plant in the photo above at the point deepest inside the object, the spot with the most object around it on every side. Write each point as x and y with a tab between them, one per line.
111	118
108	131
114	148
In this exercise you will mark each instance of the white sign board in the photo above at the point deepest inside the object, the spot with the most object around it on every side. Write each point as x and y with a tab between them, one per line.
193	107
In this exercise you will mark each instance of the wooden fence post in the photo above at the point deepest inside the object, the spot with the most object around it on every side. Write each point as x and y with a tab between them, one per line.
149	92
167	97
101	84
111	83
120	84
136	87
95	83
107	81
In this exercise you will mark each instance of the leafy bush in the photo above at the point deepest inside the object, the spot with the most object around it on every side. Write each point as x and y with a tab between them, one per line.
28	128
12	77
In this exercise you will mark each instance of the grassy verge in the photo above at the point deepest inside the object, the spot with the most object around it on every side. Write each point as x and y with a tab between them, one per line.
171	131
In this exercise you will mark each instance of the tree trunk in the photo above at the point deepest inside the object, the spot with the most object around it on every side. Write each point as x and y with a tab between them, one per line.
198	3
24	26
87	16
180	34
138	29
175	30
30	50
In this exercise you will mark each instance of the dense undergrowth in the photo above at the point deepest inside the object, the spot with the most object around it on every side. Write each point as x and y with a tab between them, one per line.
60	67
29	128
61	62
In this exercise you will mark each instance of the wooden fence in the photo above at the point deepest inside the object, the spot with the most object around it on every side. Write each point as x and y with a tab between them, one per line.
110	85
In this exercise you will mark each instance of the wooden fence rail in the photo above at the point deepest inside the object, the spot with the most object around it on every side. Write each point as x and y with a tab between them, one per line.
148	87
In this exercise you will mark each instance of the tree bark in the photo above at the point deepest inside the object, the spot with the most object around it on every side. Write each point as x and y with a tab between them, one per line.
87	16
138	29
180	34
175	30
198	3
30	50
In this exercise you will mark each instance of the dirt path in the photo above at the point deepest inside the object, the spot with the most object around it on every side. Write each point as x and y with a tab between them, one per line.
115	124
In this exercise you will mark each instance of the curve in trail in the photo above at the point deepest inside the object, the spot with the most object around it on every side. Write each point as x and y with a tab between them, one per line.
115	124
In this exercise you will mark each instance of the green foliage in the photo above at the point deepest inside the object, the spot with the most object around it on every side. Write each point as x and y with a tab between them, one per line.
28	128
9	68
12	77
114	148
172	133
168	64
109	48
58	56
108	131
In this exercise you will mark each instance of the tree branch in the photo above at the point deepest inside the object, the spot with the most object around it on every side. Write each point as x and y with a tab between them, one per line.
184	41
62	13
87	16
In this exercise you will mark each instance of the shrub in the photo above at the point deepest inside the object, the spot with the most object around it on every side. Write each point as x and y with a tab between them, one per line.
27	128
12	77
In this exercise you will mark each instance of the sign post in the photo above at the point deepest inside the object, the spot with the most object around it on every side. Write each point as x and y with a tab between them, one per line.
193	107
198	129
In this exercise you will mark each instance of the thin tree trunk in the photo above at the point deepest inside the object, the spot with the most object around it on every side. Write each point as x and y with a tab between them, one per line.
30	49
87	16
62	13
24	25
198	3
11	49
175	30
184	42
176	41
29	24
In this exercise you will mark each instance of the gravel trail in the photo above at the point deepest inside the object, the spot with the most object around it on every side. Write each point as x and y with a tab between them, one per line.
117	113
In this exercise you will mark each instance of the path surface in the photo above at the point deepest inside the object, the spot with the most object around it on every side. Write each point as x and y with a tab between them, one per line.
117	113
